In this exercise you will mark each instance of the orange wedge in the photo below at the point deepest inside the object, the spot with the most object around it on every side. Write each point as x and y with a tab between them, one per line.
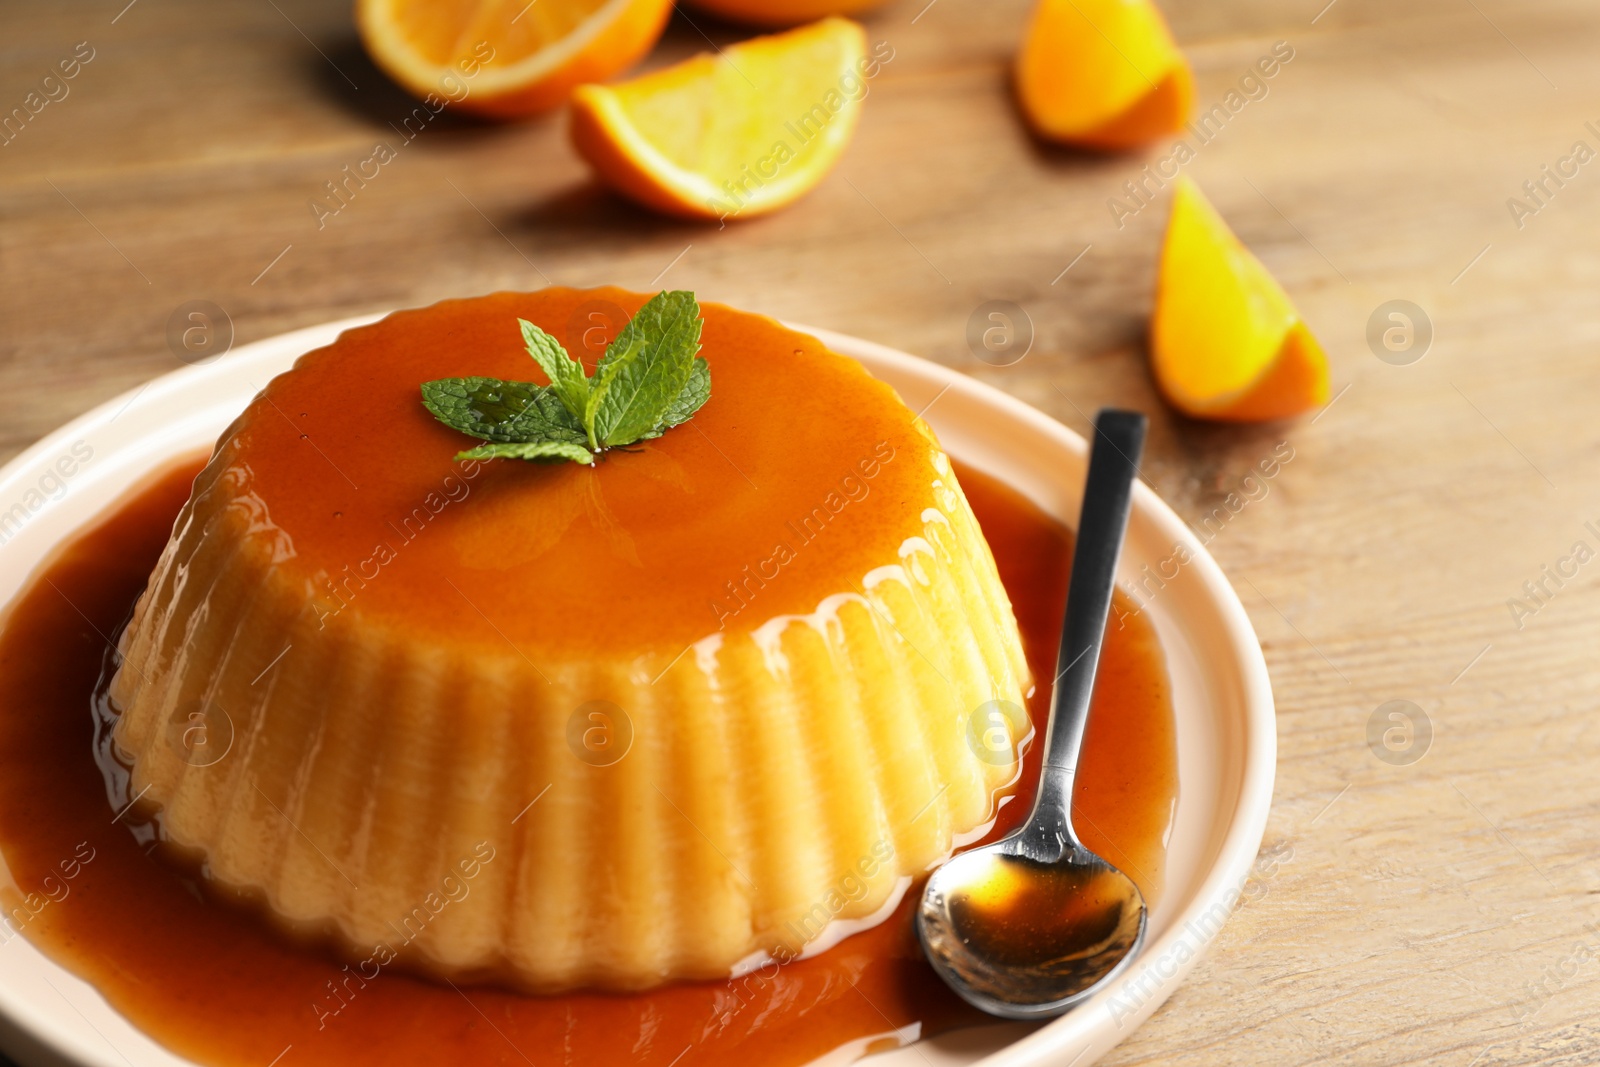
1102	74
1225	342
739	133
506	58
782	12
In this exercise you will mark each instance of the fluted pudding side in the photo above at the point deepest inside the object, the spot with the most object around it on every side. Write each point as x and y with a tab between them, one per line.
617	800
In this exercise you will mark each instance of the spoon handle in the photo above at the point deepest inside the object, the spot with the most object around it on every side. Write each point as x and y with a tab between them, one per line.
1107	497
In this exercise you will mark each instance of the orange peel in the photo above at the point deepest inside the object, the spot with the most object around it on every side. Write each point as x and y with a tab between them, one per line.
1226	343
739	133
1102	74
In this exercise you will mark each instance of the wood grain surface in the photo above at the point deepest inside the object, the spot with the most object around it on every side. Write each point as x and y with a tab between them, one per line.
1434	910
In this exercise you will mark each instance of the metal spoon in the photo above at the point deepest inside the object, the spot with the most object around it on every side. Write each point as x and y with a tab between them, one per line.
1031	925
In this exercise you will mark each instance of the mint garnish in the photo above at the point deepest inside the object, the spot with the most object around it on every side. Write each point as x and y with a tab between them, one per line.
649	380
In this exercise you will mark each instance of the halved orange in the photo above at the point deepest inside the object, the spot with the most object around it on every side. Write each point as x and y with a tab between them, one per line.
1102	74
506	58
742	132
782	12
1225	341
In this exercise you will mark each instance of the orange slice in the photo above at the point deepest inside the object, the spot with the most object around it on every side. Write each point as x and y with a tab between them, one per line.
1225	342
742	132
506	58
1102	74
782	12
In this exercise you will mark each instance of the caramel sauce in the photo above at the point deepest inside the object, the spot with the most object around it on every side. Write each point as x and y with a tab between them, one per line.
216	983
645	552
1024	914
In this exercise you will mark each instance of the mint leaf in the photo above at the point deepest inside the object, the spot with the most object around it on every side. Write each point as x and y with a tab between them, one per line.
476	406
545	450
566	375
650	379
502	411
696	391
644	370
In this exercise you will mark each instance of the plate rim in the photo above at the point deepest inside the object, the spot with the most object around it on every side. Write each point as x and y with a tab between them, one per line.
1090	1031
1224	882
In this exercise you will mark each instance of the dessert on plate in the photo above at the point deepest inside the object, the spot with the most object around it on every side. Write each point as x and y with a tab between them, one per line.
673	670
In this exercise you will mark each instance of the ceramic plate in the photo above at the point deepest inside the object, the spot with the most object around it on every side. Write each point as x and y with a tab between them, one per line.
1226	737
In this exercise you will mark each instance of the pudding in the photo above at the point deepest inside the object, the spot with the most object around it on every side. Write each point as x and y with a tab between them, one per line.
716	698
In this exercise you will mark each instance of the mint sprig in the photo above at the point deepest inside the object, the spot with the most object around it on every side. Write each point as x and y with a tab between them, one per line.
649	380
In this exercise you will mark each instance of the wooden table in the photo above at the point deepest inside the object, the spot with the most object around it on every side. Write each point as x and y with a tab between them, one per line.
1432	911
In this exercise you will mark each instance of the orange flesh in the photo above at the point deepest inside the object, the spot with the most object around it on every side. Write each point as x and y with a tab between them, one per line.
741	132
217	984
506	58
1102	73
446	32
1226	342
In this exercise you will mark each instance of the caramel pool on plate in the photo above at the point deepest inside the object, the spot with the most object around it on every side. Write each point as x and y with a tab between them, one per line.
442	762
213	981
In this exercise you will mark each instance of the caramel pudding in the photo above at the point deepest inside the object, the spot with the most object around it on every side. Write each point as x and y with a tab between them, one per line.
675	695
95	890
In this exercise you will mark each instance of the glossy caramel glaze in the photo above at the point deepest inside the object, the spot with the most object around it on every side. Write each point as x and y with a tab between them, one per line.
636	554
217	984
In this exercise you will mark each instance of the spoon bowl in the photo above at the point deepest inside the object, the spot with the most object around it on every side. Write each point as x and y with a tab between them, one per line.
1029	939
1029	926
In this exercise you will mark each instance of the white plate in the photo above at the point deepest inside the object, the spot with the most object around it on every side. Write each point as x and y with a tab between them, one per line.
1226	736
